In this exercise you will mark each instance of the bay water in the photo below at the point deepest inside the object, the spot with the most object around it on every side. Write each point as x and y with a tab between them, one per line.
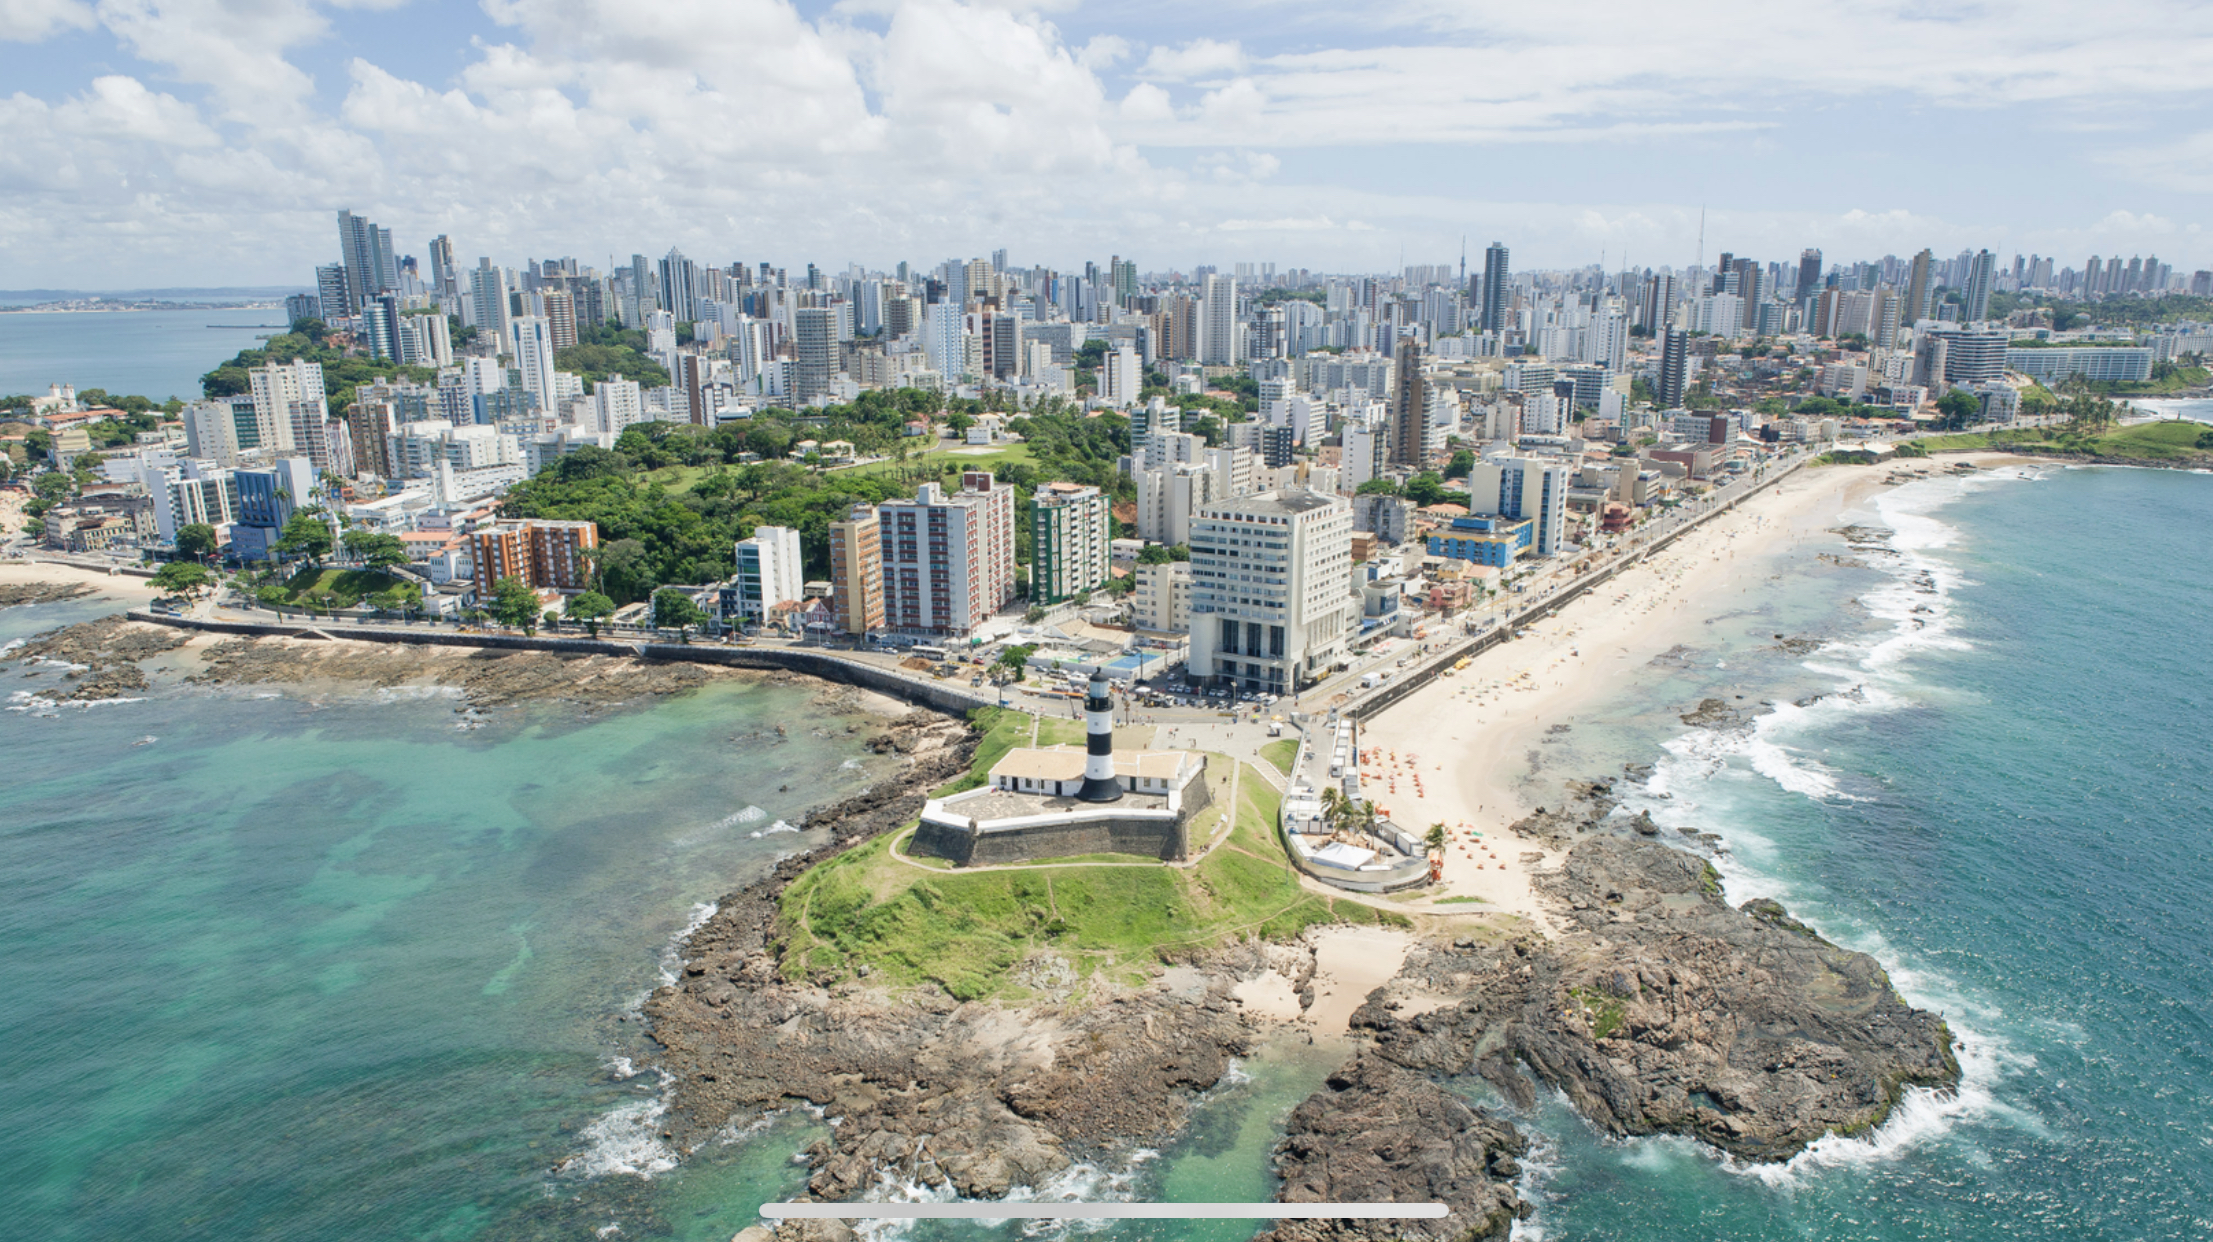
157	354
330	968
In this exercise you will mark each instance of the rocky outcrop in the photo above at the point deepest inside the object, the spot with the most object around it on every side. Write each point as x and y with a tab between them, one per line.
14	593
1378	1133
101	658
487	678
1670	1012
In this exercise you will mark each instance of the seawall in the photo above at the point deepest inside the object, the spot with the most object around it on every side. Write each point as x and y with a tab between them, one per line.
955	700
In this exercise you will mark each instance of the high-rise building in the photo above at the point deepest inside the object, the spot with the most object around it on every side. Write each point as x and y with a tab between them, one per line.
1674	368
1920	287
332	292
1070	528
943	341
769	573
1496	282
488	302
815	346
533	345
1218	322
286	395
561	318
1409	407
948	559
1121	376
445	278
1530	488
366	251
1980	273
1809	275
1162	601
857	571
1271	589
1168	497
544	554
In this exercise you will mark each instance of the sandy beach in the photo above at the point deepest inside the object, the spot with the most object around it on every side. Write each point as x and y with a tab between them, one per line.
1450	752
127	591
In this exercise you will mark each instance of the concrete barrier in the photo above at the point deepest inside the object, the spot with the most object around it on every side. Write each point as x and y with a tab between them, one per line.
953	699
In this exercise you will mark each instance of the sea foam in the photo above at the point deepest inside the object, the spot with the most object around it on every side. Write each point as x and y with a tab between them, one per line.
1692	788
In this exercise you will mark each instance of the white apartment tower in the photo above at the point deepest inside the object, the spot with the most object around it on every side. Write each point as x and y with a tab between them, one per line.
287	395
1218	322
769	573
1121	377
533	342
948	559
1070	527
1271	589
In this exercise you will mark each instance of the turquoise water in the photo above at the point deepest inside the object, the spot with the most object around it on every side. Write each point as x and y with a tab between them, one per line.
2017	820
156	354
334	969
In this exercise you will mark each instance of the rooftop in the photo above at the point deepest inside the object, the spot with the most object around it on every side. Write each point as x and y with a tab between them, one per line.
992	803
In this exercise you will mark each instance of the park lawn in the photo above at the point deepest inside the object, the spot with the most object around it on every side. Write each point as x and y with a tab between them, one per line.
1057	731
964	931
675	478
958	457
2165	440
2161	441
346	585
1280	753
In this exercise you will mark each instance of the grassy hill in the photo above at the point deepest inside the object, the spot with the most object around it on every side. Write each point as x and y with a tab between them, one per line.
965	931
2165	441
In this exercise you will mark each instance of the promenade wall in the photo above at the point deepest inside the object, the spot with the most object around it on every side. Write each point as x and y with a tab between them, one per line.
953	699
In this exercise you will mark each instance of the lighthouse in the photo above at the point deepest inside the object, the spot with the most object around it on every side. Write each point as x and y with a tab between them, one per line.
1099	782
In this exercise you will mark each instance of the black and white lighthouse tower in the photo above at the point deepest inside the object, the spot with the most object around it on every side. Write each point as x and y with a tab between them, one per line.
1099	782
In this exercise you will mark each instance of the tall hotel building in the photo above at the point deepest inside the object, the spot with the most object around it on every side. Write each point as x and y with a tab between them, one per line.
1271	589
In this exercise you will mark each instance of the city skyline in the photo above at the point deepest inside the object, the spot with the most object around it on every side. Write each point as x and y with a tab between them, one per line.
197	145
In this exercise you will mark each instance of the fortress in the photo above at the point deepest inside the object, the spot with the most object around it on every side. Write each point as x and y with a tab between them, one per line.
1058	801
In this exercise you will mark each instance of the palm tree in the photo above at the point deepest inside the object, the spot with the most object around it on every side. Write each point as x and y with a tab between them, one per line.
1436	838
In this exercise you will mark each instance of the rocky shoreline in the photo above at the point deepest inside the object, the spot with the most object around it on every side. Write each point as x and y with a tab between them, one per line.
15	593
103	657
1659	1009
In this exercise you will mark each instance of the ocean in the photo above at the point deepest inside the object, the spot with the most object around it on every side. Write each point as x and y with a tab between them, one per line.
155	354
329	968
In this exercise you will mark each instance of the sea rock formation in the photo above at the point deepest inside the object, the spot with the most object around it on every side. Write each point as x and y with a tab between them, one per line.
1668	1011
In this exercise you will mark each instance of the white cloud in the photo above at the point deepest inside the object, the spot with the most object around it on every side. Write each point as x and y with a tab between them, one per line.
1199	58
926	128
32	20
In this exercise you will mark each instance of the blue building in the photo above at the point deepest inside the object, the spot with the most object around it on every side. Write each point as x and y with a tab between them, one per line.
267	499
1479	540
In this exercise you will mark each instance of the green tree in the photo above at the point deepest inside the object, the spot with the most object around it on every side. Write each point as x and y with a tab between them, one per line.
960	423
1436	836
186	578
591	608
1154	554
1426	489
404	598
196	540
305	534
1956	409
377	551
1461	465
674	610
514	603
1375	487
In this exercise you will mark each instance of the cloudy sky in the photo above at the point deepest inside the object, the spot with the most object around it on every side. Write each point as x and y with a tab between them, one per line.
203	142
